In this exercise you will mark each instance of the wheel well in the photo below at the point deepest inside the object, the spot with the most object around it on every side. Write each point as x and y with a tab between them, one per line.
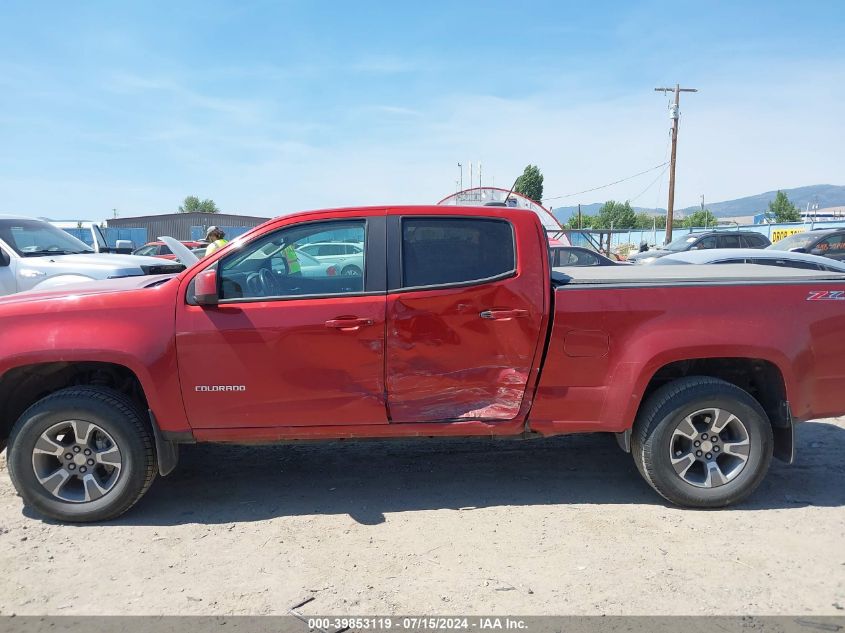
760	378
24	386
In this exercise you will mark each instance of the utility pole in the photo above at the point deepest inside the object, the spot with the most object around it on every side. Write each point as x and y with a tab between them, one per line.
461	167
674	114
579	215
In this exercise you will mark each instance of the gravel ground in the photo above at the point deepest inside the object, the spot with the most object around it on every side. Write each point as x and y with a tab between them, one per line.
561	526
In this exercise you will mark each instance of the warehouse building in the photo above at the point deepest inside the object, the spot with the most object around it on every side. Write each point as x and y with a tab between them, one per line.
187	226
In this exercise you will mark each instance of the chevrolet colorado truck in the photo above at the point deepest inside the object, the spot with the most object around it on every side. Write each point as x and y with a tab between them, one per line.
457	327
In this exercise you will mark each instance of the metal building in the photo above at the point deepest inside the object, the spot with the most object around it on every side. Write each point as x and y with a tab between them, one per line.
187	226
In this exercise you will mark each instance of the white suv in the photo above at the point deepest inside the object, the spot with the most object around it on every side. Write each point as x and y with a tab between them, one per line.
332	252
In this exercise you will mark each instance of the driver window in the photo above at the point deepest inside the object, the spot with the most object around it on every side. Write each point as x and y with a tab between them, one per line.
303	260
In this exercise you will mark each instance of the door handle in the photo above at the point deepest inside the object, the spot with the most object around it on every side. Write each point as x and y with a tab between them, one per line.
500	315
348	323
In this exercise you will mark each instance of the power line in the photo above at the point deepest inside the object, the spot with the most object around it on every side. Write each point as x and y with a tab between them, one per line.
659	176
651	184
610	184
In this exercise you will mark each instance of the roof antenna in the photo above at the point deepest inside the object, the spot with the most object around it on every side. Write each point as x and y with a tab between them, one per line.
507	197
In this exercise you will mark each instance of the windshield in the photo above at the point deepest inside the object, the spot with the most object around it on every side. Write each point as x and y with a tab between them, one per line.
34	238
797	240
681	243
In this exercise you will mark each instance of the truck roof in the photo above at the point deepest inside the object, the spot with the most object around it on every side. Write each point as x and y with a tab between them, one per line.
685	274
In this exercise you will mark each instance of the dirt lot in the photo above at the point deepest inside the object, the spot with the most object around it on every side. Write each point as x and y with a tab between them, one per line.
563	526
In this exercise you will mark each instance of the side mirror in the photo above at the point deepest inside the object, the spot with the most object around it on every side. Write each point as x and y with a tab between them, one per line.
816	251
127	245
800	249
5	260
205	288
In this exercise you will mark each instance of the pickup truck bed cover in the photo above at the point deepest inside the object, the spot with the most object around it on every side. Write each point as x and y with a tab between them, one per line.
684	275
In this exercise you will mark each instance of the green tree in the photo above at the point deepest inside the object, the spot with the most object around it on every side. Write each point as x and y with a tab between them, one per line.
782	210
530	184
703	217
649	221
617	215
192	204
587	221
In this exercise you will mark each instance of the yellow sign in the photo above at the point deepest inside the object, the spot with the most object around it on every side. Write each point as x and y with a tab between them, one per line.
779	234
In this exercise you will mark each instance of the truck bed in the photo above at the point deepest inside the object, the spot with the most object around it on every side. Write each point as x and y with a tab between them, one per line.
685	275
615	327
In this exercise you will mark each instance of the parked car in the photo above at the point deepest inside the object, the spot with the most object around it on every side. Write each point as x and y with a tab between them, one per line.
441	340
702	241
579	256
91	234
332	252
754	256
828	243
162	250
36	254
351	266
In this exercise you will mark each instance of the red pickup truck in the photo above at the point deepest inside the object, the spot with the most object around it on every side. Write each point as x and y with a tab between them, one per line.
457	327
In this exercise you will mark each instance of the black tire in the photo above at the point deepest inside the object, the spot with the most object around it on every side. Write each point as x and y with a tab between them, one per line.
351	271
115	414
667	408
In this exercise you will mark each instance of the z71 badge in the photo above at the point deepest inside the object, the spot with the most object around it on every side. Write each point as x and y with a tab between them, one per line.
826	295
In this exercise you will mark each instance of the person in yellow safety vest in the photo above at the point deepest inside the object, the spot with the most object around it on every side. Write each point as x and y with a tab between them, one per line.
289	253
215	236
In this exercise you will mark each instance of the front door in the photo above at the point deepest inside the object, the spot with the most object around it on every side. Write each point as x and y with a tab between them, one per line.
463	319
833	246
8	273
293	342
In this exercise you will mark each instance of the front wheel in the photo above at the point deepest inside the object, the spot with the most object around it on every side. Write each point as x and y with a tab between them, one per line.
702	442
82	454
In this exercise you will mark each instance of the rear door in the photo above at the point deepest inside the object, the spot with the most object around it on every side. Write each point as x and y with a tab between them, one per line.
465	310
729	240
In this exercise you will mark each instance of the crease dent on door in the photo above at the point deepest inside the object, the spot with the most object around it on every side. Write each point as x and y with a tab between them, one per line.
435	372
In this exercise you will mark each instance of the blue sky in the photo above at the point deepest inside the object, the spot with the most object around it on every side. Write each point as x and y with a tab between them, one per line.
272	107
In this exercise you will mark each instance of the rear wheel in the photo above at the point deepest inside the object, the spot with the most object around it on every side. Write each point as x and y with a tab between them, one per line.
351	271
702	442
82	454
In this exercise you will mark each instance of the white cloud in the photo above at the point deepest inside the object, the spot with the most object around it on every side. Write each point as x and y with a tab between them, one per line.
743	133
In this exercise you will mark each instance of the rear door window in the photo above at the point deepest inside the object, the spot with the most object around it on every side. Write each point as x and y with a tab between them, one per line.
441	251
755	241
729	241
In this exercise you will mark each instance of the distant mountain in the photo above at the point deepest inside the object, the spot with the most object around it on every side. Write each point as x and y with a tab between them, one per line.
822	195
